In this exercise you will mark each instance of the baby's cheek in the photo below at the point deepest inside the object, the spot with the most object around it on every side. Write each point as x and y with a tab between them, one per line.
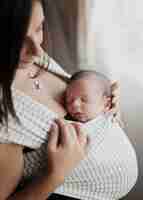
68	108
91	110
87	109
40	38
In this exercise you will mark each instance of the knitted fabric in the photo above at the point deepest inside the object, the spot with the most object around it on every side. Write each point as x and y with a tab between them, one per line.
109	170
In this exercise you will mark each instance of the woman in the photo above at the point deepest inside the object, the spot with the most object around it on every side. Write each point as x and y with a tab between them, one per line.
34	91
21	31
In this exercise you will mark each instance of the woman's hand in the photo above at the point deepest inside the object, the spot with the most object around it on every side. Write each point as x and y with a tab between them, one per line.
115	105
66	147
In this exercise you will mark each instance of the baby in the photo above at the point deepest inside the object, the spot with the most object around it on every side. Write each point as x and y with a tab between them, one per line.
88	100
87	96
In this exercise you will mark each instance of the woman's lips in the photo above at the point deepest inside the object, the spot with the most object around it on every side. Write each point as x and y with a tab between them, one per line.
26	61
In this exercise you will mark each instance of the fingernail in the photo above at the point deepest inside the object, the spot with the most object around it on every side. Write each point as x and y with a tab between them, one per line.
53	125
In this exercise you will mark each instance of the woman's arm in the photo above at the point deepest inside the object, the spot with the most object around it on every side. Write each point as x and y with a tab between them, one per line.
59	165
38	189
11	168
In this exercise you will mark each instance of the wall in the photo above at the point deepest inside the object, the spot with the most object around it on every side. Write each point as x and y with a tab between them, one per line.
62	18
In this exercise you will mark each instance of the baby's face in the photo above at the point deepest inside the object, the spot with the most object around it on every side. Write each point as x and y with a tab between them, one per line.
84	99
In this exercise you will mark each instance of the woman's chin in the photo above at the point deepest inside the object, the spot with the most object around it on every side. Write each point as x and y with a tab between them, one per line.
26	62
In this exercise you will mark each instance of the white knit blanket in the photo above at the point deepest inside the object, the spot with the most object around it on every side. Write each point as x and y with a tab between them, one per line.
109	170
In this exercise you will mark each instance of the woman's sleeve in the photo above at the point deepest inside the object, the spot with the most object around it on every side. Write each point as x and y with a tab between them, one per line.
57	69
47	62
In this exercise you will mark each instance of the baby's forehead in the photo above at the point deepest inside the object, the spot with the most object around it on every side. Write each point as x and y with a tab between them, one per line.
91	82
87	81
85	85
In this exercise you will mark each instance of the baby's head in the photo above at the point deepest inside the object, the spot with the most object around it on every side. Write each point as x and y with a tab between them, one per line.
88	94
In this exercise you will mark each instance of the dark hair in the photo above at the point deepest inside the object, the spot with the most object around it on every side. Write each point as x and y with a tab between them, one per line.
14	21
104	81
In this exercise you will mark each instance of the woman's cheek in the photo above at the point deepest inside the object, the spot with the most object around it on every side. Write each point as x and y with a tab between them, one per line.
23	54
40	37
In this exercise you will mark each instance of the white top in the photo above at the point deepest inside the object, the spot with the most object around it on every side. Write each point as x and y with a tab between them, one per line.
108	172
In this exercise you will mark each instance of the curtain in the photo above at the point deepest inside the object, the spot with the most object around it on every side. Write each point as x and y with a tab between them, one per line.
62	26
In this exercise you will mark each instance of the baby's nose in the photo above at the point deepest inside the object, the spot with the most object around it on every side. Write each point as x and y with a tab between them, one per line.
76	105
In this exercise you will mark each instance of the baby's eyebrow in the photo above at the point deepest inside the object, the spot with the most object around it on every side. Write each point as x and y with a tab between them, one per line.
84	95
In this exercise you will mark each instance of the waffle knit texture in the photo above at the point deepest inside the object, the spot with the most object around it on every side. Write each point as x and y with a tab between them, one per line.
109	170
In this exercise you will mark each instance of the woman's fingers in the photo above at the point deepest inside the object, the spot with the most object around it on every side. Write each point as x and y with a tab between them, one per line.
65	156
53	136
67	132
83	138
115	88
115	110
73	132
81	134
115	98
114	85
72	135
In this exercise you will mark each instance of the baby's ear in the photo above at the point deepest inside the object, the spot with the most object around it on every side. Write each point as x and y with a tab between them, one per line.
63	98
107	103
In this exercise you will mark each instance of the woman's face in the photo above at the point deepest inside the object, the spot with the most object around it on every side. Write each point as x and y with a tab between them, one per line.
34	37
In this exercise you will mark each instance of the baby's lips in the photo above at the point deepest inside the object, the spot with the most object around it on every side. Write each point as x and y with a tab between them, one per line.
80	115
